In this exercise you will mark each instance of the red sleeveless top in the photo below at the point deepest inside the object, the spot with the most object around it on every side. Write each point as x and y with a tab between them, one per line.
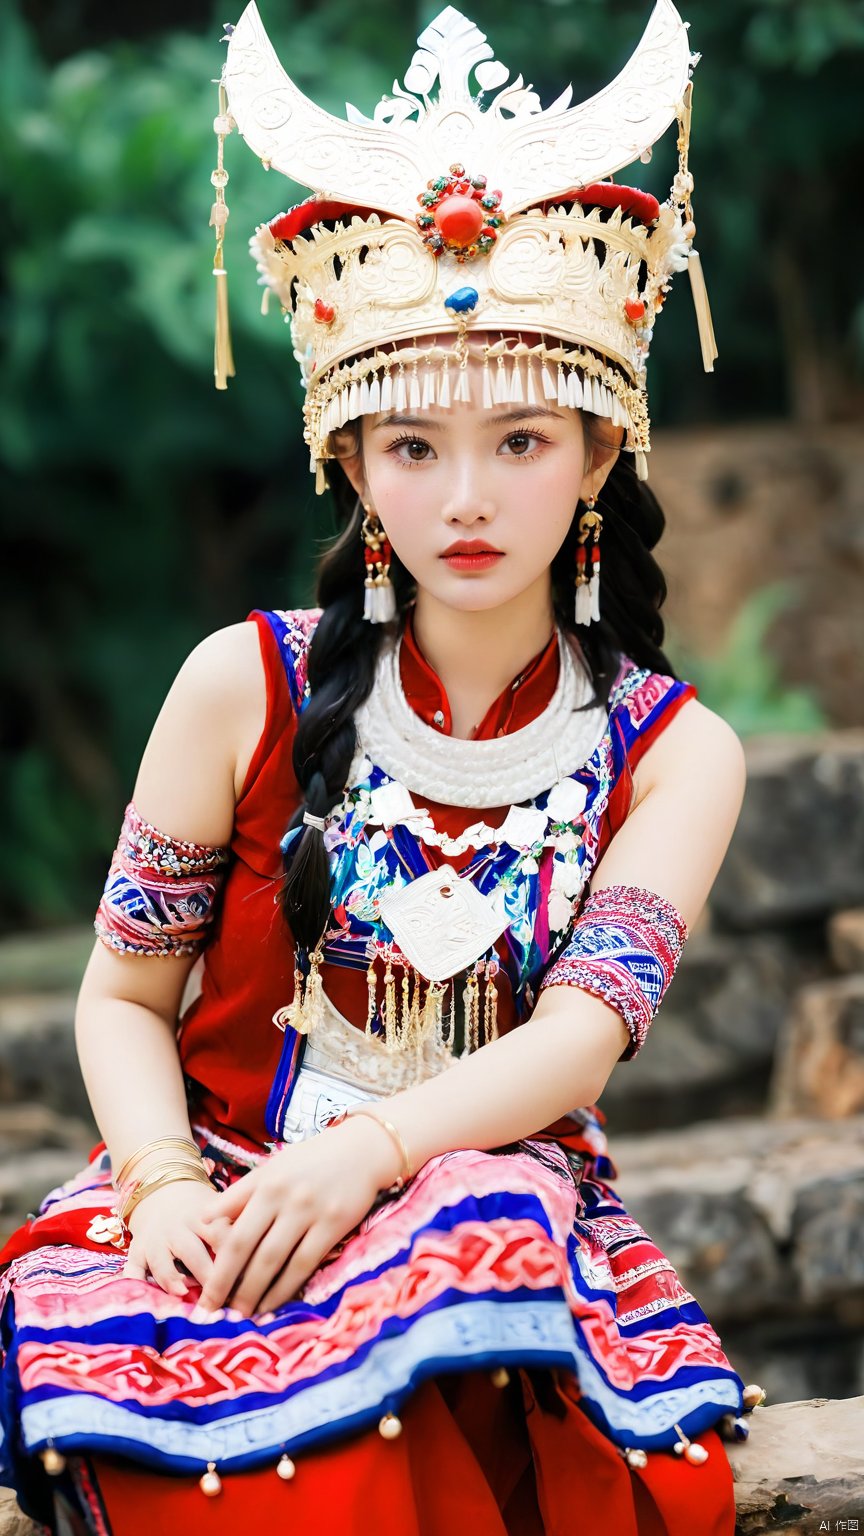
229	1047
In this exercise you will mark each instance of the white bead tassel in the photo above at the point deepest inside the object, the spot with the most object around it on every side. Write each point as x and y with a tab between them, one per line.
374	395
594	590
444	387
428	396
575	396
530	392
399	391
463	386
641	465
562	385
550	388
487	386
501	392
414	397
583	603
703	310
515	393
386	391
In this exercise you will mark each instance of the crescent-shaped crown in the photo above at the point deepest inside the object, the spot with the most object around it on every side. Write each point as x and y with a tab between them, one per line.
532	154
404	238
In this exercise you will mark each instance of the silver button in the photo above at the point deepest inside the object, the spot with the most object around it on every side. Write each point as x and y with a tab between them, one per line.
438	717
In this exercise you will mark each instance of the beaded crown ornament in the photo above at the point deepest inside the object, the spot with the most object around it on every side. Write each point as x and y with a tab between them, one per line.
475	224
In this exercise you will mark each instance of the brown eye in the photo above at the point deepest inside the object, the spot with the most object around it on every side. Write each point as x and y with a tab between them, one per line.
519	442
417	449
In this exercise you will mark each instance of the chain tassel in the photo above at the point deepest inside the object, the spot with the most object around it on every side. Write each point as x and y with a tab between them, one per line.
408	1017
223	357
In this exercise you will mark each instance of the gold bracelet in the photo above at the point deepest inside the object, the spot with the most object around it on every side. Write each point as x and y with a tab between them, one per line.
402	1178
149	1185
152	1146
170	1164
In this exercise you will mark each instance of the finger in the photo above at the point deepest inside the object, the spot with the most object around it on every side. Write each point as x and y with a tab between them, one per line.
162	1269
314	1247
269	1258
234	1253
190	1250
133	1269
232	1201
213	1230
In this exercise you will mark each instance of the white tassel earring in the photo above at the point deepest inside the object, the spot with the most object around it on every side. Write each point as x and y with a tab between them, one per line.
379	603
588	587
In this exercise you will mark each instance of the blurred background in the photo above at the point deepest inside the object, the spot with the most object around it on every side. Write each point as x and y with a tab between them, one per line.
141	509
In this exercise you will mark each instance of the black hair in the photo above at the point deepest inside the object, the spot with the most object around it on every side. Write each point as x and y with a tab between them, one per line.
345	647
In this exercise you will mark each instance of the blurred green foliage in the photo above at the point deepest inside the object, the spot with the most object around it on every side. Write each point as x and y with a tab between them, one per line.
141	510
742	681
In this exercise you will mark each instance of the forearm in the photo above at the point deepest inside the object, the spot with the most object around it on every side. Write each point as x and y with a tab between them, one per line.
132	1073
559	1060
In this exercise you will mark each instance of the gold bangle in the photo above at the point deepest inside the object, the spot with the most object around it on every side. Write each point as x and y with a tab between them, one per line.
149	1186
170	1164
402	1178
153	1146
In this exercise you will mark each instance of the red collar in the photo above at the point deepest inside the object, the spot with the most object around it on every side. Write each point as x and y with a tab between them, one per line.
518	704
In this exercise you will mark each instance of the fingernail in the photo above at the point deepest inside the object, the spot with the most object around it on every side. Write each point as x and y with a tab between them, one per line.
266	1317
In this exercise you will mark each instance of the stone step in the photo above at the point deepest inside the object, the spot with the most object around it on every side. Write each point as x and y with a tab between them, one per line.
764	1221
802	1465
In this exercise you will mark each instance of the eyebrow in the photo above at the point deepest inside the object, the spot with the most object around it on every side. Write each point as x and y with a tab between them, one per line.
429	424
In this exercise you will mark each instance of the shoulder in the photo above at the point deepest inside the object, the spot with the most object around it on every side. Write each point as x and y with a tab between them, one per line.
696	743
668	731
203	738
224	664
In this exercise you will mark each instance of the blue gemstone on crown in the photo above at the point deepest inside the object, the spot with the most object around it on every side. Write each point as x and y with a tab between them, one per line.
462	300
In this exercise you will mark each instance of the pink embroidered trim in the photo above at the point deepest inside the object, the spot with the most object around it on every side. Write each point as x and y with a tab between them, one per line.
624	948
160	894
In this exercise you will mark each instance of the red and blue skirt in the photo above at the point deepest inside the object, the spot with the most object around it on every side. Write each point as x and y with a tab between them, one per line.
505	1307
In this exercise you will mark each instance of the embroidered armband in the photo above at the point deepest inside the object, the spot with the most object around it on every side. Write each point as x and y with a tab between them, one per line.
160	895
625	947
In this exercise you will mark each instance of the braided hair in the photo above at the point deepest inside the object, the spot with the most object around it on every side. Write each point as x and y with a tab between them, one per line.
345	647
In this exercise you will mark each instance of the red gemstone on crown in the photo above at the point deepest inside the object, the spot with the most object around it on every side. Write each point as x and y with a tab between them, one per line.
324	312
460	219
634	309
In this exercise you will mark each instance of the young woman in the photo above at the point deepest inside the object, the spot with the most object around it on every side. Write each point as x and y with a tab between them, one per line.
350	1255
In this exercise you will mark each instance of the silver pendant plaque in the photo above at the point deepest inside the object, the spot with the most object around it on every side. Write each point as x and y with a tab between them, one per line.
441	922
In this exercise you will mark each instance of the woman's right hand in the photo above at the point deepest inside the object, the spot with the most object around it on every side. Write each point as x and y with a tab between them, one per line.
165	1228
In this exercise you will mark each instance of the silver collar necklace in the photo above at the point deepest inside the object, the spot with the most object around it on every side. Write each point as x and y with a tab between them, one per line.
507	769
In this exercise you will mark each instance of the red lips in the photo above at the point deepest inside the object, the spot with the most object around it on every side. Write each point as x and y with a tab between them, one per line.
470	547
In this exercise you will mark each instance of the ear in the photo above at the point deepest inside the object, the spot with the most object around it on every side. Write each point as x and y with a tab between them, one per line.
603	446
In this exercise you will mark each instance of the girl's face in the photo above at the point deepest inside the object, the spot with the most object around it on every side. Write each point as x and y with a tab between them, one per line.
505	479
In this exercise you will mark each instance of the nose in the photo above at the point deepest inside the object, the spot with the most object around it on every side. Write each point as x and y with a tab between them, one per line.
467	500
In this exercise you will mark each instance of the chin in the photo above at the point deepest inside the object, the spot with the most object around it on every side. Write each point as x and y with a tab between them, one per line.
474	595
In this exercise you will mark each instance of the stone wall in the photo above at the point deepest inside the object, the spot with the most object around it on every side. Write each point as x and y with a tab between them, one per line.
753	504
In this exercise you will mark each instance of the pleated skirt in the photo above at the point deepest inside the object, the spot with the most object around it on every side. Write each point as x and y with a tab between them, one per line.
505	1308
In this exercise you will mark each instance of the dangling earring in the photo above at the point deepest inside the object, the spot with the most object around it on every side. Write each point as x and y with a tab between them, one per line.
588	590
379	604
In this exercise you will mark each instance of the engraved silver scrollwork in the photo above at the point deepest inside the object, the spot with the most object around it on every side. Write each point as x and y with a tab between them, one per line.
382	162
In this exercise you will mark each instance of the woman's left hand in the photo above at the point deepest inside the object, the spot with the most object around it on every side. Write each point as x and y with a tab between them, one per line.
274	1225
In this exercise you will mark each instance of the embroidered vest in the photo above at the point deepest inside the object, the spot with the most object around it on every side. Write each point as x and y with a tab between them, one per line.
569	778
